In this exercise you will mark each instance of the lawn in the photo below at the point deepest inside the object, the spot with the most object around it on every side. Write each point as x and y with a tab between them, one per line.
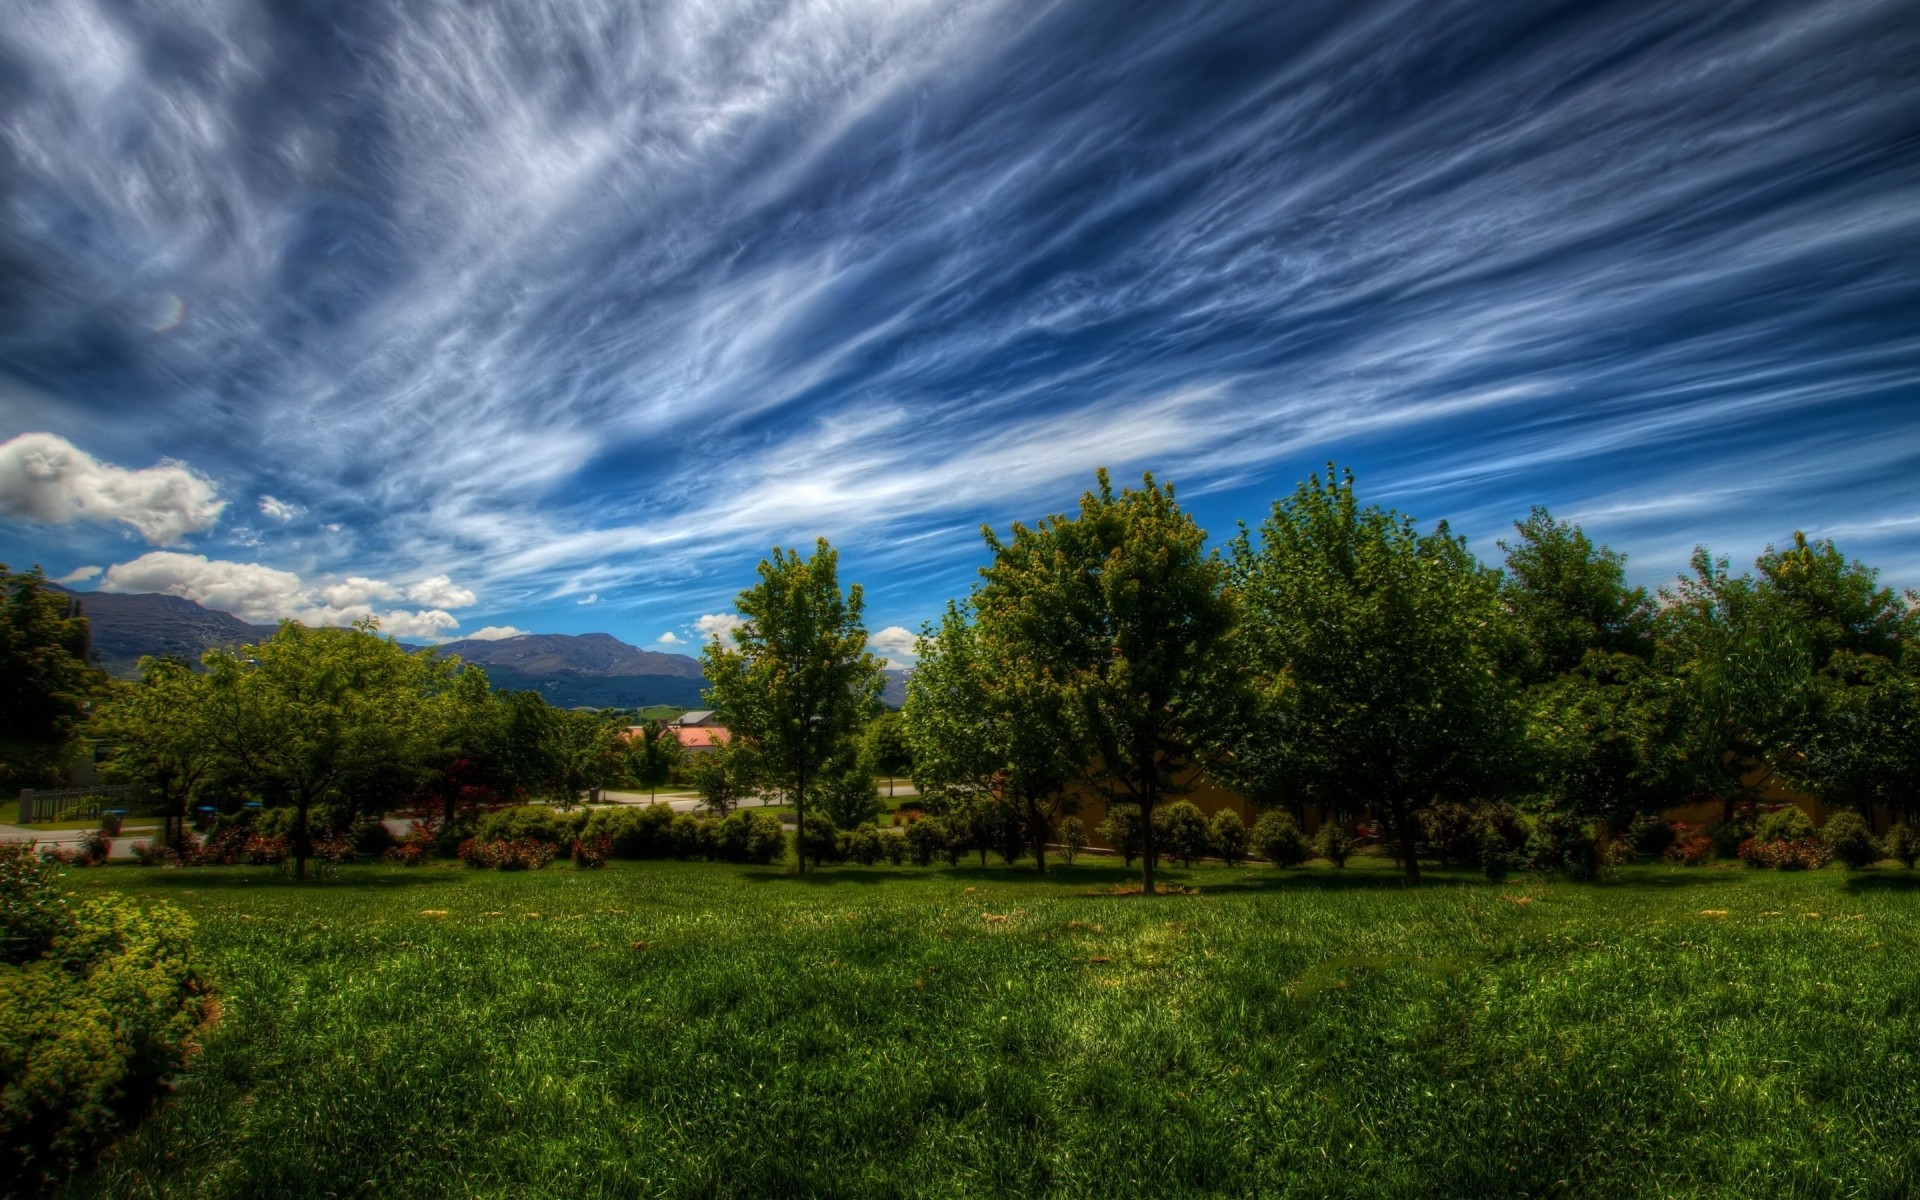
697	1029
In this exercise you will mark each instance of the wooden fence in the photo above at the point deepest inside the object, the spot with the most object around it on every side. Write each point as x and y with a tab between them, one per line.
38	805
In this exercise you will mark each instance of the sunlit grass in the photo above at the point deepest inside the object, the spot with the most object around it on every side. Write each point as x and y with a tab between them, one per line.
674	1028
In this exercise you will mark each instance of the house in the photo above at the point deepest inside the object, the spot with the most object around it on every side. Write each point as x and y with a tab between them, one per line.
698	731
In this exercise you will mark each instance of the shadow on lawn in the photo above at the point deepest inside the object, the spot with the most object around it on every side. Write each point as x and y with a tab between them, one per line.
1905	881
215	879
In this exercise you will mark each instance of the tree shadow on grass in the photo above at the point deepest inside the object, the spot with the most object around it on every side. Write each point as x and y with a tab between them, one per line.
255	879
1905	881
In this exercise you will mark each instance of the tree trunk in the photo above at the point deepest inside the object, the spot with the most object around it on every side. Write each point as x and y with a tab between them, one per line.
300	843
1409	854
1040	831
1148	851
800	821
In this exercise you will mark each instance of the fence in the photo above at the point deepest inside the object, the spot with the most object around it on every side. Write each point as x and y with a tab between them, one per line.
39	805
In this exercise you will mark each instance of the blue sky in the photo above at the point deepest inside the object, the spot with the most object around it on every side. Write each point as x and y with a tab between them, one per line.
554	317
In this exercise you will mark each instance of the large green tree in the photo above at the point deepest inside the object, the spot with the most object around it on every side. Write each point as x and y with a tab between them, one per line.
46	679
1570	597
984	723
1379	653
798	683
305	713
158	734
1121	615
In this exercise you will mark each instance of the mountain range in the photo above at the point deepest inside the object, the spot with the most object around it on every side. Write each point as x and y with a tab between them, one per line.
571	670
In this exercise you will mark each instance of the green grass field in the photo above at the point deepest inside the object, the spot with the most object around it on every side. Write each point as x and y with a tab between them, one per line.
695	1029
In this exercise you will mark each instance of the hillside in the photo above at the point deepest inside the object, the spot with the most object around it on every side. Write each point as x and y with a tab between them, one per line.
126	626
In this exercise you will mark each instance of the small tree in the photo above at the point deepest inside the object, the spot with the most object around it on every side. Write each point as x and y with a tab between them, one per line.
158	732
800	683
653	755
1276	838
724	776
1228	833
1850	840
1122	831
1073	838
1334	842
888	748
1184	829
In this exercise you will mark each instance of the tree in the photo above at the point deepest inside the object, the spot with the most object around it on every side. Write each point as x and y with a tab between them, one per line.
1837	604
306	710
800	682
1184	832
1571	597
1378	652
983	725
888	748
654	753
1746	664
725	775
159	738
46	680
1121	615
1607	739
1865	752
584	751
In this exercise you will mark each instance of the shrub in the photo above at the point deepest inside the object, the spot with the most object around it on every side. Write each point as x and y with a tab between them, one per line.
1183	832
521	854
1073	838
1228	833
848	798
1902	845
820	839
1452	833
370	836
863	845
1797	854
334	849
1334	843
645	832
1784	824
1850	841
1277	839
1692	846
148	854
1123	832
895	848
539	822
766	840
265	850
1500	839
691	837
592	851
1563	842
97	1008
926	840
1650	835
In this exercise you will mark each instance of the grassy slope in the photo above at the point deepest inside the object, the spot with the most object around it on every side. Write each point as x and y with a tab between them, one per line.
872	1033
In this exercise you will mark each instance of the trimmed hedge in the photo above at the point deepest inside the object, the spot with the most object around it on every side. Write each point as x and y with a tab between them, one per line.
98	1004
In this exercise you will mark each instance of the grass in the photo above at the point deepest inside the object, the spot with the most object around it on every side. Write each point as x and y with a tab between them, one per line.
696	1029
10	815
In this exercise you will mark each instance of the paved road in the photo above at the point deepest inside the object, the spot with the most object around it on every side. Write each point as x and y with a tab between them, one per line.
122	845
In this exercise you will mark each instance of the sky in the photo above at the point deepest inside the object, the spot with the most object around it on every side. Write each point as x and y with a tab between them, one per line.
492	315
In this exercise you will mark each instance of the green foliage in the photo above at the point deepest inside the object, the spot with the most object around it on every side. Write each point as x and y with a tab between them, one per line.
847	795
1073	838
46	678
926	840
819	839
1865	750
1571	598
1836	604
540	822
1563	842
1227	834
725	775
1334	842
636	832
863	845
33	913
1379	653
92	1020
1451	832
1122	830
1788	823
1851	841
887	746
1608	739
1183	832
1650	835
1276	838
1119	616
1902	845
800	685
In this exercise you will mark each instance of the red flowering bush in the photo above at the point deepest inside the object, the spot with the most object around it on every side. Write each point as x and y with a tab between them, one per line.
503	854
591	852
265	850
407	854
223	848
1691	846
1786	854
334	849
90	851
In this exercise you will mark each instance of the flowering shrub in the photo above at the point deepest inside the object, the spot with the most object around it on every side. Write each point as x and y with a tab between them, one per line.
1796	854
335	849
148	854
518	854
223	848
90	851
265	849
591	852
1691	846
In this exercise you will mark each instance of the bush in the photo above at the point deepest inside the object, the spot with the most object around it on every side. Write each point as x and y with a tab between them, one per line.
1902	845
1784	824
1277	839
645	832
265	850
820	839
1649	835
97	1008
592	851
1182	830
1073	838
1452	833
1335	843
766	840
1798	854
895	848
1500	839
1228	833
1123	831
1850	841
370	836
1563	842
692	837
863	845
522	854
926	840
537	822
1692	846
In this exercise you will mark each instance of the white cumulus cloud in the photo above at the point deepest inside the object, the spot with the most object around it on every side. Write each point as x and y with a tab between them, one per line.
279	510
669	638
893	643
495	633
440	592
78	575
719	626
262	594
46	478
